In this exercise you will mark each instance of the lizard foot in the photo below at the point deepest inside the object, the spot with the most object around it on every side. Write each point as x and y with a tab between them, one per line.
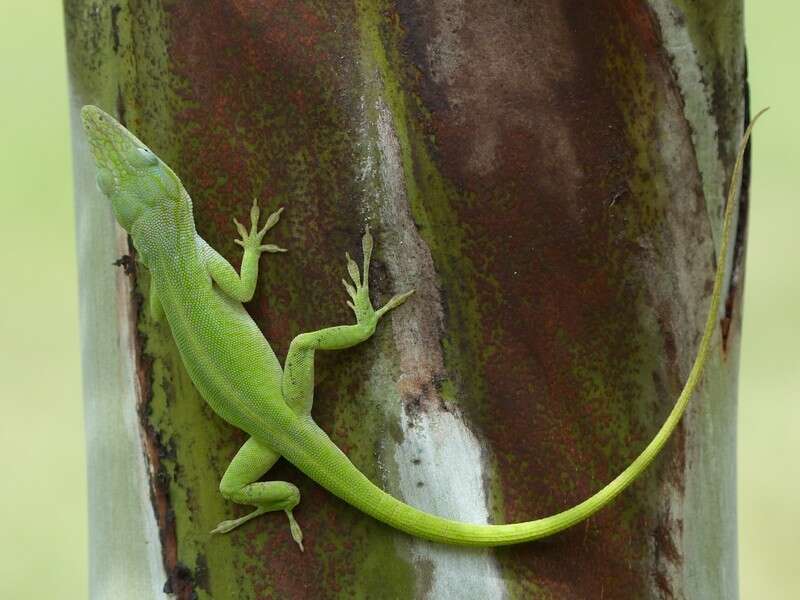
361	305
252	239
230	525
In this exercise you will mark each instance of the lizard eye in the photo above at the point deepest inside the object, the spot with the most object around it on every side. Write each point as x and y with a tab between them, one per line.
147	156
142	157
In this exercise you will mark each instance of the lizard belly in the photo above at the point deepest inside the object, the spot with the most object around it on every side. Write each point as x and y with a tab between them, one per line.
228	359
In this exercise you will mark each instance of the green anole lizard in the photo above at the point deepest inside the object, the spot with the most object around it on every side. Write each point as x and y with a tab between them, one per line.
237	373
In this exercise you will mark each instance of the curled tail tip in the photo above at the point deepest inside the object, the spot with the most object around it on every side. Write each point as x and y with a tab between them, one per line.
752	123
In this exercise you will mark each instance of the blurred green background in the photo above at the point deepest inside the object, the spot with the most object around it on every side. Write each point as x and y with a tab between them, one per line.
43	535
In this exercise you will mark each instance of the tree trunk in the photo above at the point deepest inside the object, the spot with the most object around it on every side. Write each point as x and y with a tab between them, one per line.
548	176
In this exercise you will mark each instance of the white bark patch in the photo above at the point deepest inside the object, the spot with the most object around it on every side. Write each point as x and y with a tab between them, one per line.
440	468
698	108
125	558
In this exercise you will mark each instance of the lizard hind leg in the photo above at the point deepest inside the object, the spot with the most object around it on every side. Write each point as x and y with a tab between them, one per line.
240	484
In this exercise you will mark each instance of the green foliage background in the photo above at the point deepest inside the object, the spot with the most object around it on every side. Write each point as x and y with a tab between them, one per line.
43	537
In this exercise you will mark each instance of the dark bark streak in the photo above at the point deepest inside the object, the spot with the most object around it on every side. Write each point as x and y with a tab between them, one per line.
179	578
740	242
121	109
115	10
127	263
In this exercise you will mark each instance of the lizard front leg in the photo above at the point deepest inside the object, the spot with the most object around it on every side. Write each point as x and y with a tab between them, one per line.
242	286
240	484
298	377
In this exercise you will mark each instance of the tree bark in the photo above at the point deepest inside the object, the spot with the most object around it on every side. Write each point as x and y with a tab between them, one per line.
548	176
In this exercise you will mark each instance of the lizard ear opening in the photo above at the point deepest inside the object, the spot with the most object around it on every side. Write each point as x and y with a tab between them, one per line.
105	181
126	210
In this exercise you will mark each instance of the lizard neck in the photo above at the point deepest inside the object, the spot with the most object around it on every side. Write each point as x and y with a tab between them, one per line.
166	239
178	264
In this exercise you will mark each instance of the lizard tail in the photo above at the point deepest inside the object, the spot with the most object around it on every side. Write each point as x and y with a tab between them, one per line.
341	477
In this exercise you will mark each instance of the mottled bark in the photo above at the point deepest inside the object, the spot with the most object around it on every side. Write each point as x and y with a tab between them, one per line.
548	175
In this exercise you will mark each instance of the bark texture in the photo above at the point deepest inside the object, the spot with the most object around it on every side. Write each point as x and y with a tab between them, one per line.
548	175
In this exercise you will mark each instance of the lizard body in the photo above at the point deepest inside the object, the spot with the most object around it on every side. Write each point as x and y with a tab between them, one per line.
237	373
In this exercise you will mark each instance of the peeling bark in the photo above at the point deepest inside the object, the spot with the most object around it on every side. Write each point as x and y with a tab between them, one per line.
549	177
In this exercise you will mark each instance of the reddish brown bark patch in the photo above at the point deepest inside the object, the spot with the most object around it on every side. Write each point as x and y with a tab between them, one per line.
523	114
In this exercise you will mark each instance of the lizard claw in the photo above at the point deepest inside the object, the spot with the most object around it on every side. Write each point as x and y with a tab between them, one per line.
224	527
297	534
395	301
271	248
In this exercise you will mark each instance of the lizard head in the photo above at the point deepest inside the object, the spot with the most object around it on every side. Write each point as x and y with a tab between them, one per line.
139	185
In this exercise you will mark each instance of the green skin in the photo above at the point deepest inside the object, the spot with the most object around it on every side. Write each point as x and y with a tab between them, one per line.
238	374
